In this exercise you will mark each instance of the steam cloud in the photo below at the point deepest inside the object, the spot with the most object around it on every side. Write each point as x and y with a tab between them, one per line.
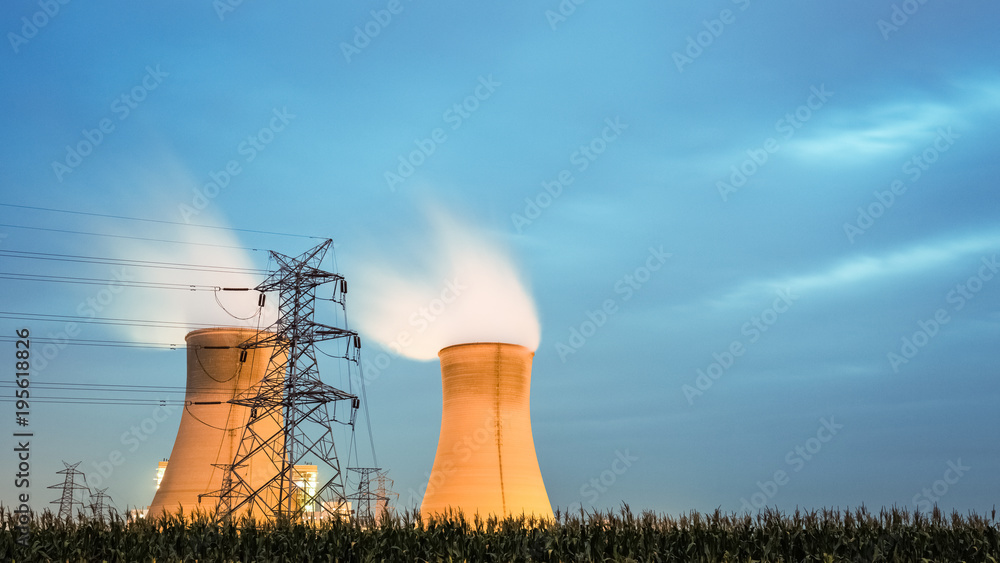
468	290
180	305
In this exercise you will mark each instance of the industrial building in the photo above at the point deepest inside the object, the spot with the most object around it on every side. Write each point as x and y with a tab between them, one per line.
210	430
486	462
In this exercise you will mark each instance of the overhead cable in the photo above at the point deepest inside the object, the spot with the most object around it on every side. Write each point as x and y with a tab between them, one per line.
49	209
149	239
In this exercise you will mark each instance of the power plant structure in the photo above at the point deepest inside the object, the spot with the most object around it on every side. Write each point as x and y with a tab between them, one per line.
486	462
256	438
211	426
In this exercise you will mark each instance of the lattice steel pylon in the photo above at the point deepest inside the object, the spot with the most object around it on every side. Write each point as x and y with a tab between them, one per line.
384	492
97	505
292	395
365	500
69	488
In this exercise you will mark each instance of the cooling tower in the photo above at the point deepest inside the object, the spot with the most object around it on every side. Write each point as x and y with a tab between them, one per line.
485	460
209	434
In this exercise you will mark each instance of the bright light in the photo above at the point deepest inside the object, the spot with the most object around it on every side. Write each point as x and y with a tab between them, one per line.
160	470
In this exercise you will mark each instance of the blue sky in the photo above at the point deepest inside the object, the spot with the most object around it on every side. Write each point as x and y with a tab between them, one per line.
789	191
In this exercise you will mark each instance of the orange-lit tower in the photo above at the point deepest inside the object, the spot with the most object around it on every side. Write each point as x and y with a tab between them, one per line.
210	428
486	460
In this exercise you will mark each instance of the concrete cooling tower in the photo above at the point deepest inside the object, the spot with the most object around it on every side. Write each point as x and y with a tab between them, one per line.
485	460
209	434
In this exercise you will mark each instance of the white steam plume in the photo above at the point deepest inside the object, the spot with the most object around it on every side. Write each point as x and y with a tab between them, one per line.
180	305
467	291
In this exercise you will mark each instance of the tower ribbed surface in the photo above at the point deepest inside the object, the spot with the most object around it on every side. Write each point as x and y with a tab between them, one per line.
486	460
210	434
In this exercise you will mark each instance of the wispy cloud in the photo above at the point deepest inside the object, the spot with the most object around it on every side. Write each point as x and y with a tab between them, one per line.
886	130
847	274
898	126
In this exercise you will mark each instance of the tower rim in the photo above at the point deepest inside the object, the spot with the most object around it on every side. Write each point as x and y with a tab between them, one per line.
486	343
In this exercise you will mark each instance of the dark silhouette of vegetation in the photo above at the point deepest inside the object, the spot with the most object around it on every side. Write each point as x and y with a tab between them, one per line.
769	536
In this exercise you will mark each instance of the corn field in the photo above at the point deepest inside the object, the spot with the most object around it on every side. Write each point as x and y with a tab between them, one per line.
825	536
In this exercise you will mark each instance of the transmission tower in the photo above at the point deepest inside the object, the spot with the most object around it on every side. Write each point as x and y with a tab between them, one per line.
384	492
292	396
99	507
70	486
365	500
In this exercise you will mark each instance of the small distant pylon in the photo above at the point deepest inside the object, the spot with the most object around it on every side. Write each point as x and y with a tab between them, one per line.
98	507
365	500
383	493
69	487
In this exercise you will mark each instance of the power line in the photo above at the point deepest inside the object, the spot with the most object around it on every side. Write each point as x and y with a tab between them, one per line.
108	400
95	388
103	320
203	392
127	237
100	343
105	386
102	401
113	388
127	262
115	343
157	221
97	281
118	343
109	387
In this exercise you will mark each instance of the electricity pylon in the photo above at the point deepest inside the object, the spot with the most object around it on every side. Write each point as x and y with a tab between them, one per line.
292	396
70	486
